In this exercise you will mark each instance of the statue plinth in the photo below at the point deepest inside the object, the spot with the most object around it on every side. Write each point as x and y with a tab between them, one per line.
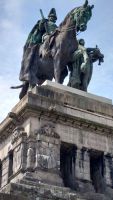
52	139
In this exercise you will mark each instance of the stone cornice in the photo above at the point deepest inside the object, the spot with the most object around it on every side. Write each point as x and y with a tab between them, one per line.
35	105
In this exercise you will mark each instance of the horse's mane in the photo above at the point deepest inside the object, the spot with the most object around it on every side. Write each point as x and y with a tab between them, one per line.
67	16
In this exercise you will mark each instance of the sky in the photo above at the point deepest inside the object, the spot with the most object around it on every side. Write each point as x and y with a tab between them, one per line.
16	21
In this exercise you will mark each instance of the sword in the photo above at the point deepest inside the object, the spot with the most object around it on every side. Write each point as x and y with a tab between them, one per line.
45	23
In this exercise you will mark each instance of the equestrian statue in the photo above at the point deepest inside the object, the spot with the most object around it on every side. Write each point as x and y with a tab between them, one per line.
49	49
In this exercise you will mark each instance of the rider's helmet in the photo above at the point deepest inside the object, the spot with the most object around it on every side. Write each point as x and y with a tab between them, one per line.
52	15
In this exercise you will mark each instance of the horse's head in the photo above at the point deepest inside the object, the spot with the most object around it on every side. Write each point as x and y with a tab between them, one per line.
96	55
82	15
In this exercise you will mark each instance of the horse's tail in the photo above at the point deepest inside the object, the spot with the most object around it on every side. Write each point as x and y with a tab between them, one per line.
17	87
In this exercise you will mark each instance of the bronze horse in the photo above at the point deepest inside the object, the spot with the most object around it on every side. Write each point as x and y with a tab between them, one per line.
52	57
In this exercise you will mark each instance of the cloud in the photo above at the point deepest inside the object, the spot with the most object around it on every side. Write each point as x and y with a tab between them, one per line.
12	39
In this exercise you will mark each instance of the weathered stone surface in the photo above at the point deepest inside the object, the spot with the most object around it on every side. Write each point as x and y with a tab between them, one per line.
43	191
38	191
57	86
11	197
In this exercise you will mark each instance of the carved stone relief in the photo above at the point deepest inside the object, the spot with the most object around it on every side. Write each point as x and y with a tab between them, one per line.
48	130
48	150
17	133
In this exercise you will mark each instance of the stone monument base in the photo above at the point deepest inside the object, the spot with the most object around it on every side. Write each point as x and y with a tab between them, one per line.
31	189
57	143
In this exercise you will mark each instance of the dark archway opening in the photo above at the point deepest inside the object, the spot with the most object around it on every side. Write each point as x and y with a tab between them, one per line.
97	170
67	164
10	170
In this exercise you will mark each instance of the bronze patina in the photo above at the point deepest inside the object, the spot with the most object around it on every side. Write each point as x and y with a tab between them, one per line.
48	51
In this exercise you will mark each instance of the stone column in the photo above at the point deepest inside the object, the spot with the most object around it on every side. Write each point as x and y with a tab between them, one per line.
82	166
86	164
78	164
108	171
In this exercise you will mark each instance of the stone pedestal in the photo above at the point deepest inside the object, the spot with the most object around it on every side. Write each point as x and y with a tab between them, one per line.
52	139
